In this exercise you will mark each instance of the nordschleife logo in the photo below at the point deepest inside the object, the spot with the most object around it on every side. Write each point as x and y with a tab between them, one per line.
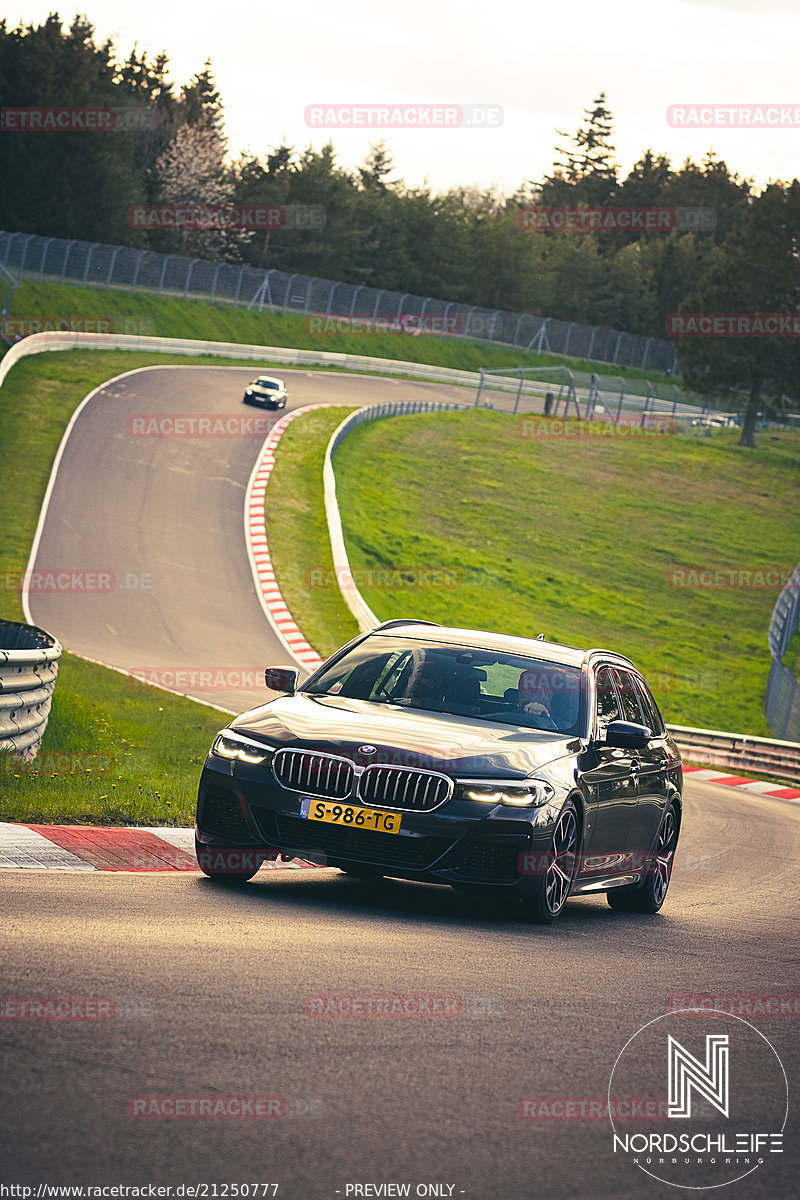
709	1079
726	1100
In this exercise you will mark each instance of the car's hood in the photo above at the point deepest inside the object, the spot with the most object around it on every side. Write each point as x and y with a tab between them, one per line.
403	737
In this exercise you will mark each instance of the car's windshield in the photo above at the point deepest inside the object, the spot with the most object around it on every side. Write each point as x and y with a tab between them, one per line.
272	384
463	680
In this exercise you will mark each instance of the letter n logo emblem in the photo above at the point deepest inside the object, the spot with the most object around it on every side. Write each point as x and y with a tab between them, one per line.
709	1079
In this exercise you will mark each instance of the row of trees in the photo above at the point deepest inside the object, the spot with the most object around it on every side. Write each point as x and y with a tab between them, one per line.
169	147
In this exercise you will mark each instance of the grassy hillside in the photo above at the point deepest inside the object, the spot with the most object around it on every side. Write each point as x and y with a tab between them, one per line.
587	539
138	312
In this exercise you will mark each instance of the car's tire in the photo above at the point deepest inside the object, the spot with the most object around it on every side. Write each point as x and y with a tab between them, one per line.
649	895
228	878
548	890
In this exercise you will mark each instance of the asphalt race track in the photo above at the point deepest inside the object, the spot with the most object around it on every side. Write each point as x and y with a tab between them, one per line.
212	991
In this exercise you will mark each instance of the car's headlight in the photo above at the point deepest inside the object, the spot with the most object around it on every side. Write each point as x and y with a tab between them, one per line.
229	744
520	793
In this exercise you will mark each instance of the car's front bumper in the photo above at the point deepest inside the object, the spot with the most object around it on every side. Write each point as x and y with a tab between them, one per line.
463	841
265	401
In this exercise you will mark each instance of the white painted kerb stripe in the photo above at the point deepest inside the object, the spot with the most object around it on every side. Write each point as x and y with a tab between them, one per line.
23	848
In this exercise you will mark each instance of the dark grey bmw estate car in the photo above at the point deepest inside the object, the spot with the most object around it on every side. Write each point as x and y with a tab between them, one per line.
453	756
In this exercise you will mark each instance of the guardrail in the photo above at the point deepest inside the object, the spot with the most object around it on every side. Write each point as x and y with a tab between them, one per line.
481	380
341	564
38	343
28	668
739	752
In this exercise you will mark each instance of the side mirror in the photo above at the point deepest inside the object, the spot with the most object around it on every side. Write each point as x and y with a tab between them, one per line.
282	679
627	735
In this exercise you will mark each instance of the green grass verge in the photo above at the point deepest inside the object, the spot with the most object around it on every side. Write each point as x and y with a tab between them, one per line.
577	538
297	532
161	316
112	755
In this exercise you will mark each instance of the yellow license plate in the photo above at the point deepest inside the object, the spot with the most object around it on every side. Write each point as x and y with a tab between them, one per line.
350	815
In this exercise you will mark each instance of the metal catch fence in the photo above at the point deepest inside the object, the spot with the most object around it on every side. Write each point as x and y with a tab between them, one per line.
31	256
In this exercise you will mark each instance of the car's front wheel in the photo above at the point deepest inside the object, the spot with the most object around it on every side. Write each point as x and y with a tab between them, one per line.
230	867
649	895
551	884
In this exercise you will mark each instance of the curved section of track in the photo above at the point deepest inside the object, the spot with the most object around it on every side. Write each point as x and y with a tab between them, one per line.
161	519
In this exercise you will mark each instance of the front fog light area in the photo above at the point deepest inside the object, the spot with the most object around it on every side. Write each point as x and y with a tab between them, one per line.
519	793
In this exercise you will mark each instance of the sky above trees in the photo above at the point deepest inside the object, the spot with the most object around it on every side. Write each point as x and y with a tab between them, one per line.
539	63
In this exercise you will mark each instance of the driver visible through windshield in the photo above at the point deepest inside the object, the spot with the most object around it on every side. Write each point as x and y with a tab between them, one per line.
462	680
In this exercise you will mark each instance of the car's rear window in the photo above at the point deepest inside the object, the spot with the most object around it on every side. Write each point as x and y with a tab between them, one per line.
490	685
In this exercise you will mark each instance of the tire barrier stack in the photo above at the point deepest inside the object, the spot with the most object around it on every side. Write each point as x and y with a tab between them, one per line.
28	668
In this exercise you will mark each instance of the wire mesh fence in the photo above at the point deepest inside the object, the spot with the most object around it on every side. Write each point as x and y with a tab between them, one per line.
591	397
31	256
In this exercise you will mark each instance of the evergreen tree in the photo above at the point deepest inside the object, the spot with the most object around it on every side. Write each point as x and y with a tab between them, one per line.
587	173
757	271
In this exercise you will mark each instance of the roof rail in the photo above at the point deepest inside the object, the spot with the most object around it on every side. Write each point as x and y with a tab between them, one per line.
403	621
611	654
